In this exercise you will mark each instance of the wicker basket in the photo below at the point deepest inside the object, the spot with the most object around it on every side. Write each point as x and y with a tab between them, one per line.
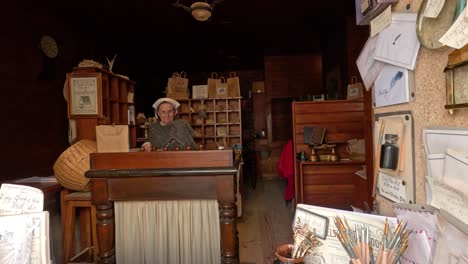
70	167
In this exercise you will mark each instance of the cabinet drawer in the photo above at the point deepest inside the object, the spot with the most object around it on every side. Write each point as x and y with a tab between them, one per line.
337	196
337	168
332	190
328	179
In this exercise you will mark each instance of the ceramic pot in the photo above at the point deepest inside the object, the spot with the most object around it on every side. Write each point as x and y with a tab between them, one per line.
283	254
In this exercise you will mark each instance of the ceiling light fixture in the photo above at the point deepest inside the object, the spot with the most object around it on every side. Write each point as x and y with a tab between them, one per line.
201	11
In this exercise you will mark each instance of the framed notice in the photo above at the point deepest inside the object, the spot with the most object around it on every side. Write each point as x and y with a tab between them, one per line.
200	91
85	95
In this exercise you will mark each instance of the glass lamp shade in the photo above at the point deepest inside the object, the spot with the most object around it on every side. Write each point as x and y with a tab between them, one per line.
201	11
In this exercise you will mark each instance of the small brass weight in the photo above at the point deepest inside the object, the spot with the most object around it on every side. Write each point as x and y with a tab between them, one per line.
326	153
333	156
313	155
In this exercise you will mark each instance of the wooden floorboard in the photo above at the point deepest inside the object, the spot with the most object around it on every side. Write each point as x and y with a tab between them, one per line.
266	222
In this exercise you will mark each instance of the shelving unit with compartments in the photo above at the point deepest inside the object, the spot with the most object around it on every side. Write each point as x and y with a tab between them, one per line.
112	98
215	121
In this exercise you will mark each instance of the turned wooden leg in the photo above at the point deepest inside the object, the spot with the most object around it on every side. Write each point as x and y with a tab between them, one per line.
105	232
228	225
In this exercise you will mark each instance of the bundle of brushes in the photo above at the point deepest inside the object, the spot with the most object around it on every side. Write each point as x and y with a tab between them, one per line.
356	243
305	240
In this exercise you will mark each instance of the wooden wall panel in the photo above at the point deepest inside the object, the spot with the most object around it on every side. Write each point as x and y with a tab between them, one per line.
36	127
283	79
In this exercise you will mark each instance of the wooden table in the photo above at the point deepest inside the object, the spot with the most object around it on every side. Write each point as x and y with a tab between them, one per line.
170	175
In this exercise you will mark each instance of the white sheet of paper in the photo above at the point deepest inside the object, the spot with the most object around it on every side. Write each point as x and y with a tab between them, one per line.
24	238
452	244
457	35
419	221
418	251
331	251
15	239
433	8
398	43
392	188
394	85
18	199
368	67
435	165
381	21
438	140
36	179
456	169
450	199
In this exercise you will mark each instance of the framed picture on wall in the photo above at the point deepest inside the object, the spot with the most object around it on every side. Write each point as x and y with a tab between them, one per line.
85	95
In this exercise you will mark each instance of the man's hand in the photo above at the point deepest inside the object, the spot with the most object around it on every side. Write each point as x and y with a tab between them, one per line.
146	147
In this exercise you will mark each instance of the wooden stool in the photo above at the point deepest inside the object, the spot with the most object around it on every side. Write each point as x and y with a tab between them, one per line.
70	203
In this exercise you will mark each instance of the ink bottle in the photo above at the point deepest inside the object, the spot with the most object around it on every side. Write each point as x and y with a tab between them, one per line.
389	152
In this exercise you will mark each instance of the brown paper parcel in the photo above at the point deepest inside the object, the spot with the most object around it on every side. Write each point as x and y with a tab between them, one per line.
177	86
112	138
233	85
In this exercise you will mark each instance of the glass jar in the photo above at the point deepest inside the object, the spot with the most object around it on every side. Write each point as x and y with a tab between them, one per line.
389	152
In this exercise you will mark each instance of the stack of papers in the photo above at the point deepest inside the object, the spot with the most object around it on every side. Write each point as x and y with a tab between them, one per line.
24	226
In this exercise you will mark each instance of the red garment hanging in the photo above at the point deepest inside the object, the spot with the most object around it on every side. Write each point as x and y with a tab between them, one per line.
286	169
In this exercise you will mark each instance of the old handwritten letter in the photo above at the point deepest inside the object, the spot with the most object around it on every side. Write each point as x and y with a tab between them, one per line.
24	226
433	8
381	21
457	35
18	199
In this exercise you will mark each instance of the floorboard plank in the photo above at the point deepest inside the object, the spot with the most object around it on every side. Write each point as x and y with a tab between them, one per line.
266	223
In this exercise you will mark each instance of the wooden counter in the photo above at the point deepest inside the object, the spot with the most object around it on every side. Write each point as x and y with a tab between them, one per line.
169	175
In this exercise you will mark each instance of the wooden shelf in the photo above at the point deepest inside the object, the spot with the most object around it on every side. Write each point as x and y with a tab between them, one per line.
113	99
222	125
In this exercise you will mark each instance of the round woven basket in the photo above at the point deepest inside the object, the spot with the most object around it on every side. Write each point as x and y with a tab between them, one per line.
70	167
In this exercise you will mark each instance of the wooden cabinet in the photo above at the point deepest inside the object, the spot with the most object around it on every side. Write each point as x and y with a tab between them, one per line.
112	100
328	183
215	121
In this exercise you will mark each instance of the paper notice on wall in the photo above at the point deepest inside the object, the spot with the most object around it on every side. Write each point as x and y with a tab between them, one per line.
331	251
368	67
433	8
199	91
392	188
457	35
381	21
